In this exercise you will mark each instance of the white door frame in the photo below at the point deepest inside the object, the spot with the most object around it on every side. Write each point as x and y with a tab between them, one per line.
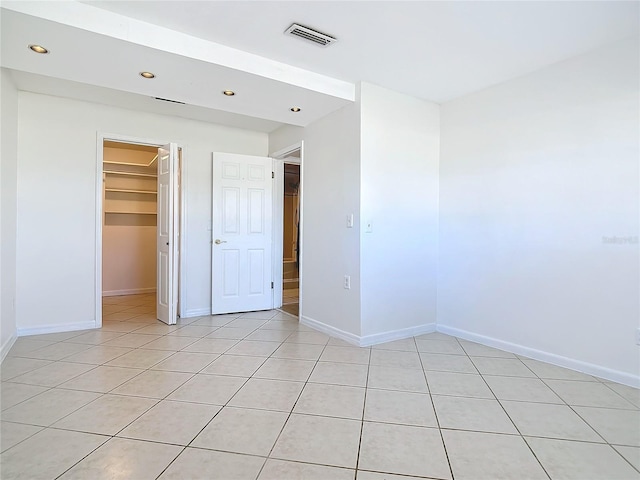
278	209
115	137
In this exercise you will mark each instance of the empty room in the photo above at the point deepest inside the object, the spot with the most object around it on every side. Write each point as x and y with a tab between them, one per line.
359	240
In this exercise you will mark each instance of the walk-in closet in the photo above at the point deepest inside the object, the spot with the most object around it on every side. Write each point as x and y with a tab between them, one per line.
129	219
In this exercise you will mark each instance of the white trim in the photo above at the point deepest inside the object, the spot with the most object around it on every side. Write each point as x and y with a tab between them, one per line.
6	346
552	358
116	137
60	327
130	291
368	340
301	231
291	161
330	330
182	250
400	334
196	312
277	236
100	137
287	150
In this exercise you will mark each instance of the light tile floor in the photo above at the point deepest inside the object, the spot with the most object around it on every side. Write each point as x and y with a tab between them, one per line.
259	396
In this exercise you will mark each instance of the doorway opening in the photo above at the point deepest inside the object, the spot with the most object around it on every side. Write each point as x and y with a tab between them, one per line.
133	201
129	219
289	229
291	239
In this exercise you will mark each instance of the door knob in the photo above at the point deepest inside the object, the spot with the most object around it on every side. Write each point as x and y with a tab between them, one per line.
218	241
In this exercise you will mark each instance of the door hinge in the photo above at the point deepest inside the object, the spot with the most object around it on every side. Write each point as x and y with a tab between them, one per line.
271	284
273	174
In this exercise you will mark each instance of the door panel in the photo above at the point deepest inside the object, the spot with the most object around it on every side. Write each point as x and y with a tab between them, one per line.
230	171
256	211
231	210
242	227
256	272
231	273
167	230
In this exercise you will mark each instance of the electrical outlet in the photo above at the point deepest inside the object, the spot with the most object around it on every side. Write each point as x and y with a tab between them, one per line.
637	336
347	282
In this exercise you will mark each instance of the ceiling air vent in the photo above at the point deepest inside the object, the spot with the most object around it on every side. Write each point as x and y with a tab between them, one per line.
311	35
167	100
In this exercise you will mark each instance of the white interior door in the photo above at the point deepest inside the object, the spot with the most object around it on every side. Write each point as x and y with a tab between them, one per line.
242	229
167	248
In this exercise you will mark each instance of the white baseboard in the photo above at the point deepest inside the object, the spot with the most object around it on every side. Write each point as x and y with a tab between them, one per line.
6	346
330	330
131	291
61	327
368	340
376	338
578	365
198	312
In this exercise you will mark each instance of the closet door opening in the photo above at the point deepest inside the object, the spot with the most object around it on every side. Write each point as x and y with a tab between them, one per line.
128	266
291	239
129	231
288	229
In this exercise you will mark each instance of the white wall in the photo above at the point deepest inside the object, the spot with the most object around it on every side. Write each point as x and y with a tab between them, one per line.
534	173
57	194
400	138
284	137
8	188
129	255
378	160
331	190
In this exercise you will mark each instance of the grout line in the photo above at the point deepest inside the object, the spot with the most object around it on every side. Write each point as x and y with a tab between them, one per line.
511	420
435	412
571	407
623	457
24	439
184	448
294	404
82	459
364	407
280	343
157	402
221	407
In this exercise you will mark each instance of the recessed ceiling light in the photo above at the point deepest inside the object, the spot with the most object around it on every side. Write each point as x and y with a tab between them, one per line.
38	49
295	109
229	93
147	75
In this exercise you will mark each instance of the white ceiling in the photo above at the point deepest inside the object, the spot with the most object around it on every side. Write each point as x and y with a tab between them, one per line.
435	50
432	50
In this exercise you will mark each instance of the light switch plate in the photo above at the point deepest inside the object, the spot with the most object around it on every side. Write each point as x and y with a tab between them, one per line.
368	228
350	220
